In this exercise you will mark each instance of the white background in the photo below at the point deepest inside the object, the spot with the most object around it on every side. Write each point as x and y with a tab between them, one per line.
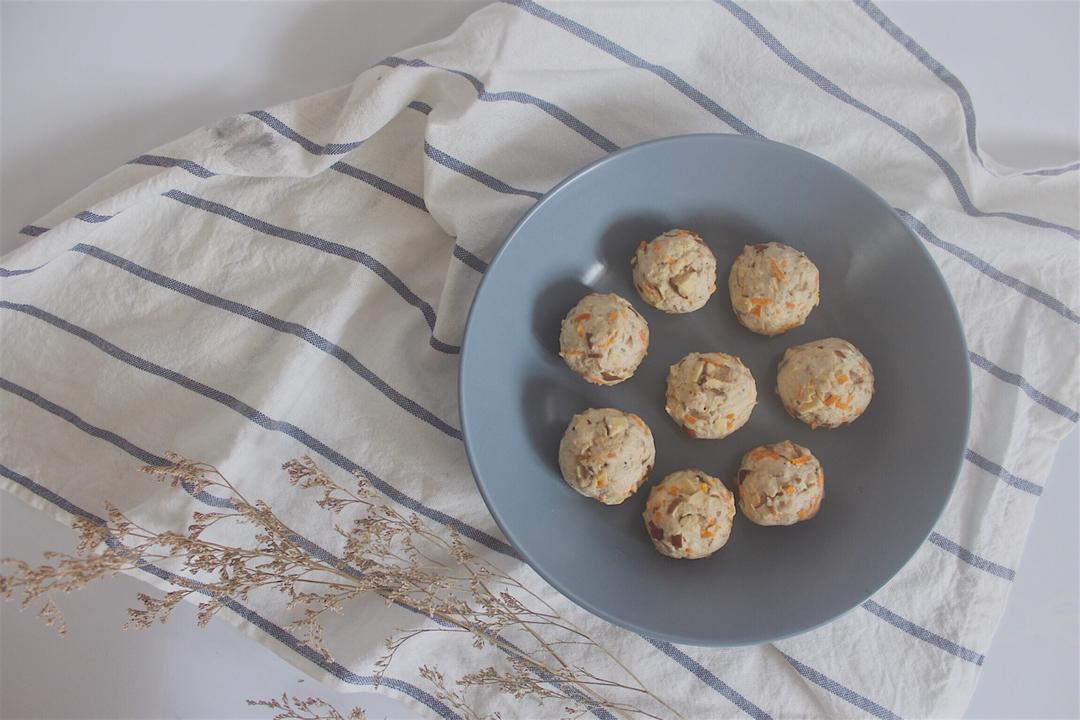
88	86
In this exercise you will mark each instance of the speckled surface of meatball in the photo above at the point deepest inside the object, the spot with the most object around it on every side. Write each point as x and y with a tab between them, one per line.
825	383
603	339
688	515
710	394
675	272
780	484
606	454
773	288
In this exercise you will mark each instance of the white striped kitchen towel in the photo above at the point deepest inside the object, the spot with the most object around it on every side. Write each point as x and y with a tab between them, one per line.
296	280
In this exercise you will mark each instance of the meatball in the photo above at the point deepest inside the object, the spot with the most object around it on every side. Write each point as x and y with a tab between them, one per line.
675	272
688	515
710	394
780	484
825	383
603	339
773	288
606	454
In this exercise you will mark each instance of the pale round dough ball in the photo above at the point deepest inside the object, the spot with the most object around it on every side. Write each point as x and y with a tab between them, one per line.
773	288
675	272
606	454
780	484
603	339
710	394
825	383
688	515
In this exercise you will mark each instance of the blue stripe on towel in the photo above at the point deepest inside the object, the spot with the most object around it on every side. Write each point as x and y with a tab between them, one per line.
469	259
310	145
326	246
130	448
380	184
943	74
1004	475
614	49
262	420
92	217
823	681
930	63
987	269
922	633
702	673
1072	167
971	558
163	161
1014	379
833	89
4	272
295	329
525	98
463	168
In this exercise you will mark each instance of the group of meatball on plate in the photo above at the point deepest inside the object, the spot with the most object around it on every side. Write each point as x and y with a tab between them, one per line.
607	454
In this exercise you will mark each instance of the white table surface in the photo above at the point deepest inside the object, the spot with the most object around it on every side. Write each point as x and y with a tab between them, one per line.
87	86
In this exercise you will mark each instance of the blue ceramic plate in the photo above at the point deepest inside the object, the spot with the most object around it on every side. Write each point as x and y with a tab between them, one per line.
888	475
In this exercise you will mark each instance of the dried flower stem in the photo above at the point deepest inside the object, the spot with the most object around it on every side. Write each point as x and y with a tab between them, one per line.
397	557
296	708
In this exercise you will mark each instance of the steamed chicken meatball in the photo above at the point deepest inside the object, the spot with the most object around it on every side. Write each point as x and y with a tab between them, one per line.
675	272
606	454
603	339
773	288
825	383
710	394
688	515
780	484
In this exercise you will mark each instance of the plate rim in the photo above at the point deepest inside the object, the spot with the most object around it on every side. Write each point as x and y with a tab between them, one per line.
567	593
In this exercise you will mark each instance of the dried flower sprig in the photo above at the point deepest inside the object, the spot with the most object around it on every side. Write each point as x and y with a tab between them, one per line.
543	656
296	708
